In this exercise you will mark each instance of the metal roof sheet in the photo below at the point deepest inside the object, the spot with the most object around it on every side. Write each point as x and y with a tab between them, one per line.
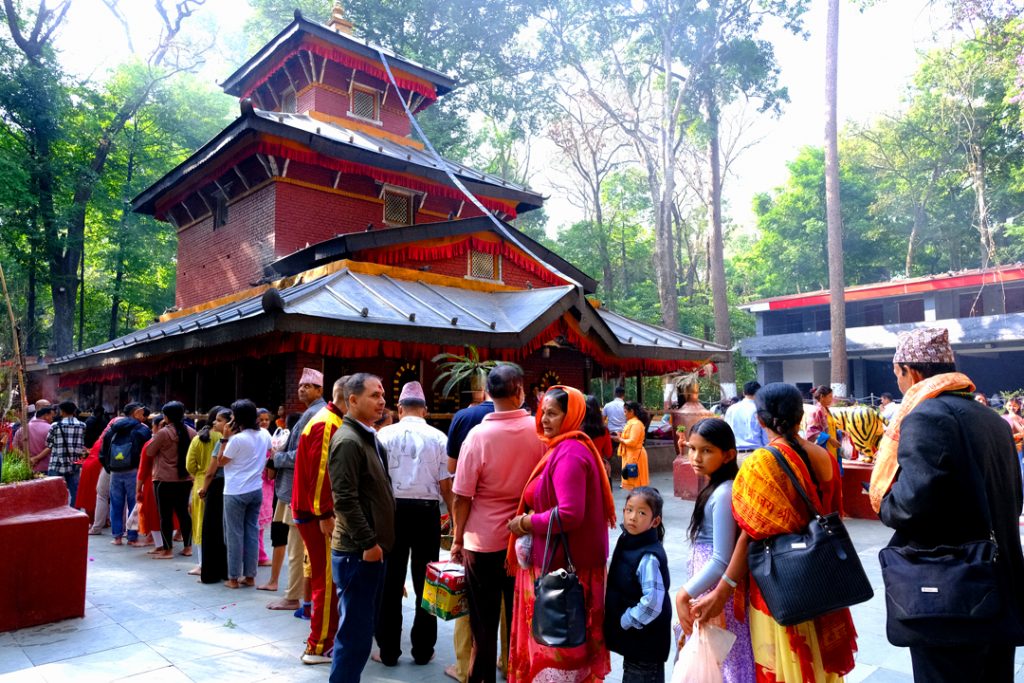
636	334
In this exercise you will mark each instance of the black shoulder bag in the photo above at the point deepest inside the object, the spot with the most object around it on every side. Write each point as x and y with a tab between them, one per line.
809	573
947	595
559	609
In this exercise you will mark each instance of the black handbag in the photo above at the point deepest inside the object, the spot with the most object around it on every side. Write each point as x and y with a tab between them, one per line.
809	573
559	609
631	471
947	595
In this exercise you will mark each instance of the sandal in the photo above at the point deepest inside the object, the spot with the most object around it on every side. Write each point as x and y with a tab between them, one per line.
231	583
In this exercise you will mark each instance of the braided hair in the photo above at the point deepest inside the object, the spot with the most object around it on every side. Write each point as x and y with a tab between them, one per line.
780	408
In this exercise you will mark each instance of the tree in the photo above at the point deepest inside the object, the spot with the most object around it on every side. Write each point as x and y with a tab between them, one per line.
39	126
833	210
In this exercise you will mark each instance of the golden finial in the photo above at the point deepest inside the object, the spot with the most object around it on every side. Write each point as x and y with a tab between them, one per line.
338	21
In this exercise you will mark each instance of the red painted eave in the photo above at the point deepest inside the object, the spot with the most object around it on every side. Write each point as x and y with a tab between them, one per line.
882	290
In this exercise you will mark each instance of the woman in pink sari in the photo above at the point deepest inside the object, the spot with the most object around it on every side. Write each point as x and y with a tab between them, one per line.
571	478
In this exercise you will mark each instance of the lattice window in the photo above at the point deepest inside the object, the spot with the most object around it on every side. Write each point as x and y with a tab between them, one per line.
288	101
365	104
484	266
397	208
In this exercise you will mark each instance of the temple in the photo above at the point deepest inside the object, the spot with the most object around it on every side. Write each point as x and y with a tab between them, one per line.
315	231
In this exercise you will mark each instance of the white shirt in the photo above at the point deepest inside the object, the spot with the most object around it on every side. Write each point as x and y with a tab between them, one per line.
889	411
248	454
615	411
417	458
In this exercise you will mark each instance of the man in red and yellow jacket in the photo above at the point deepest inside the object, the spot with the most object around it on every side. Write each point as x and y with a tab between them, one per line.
313	510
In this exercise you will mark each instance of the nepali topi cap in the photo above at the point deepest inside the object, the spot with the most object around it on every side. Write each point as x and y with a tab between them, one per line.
412	392
924	345
311	376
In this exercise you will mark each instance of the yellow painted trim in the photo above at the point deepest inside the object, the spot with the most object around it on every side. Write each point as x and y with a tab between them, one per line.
255	188
361	267
329	190
364	128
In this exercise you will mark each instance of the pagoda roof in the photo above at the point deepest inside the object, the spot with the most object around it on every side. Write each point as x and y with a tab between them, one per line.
364	301
291	36
347	245
333	140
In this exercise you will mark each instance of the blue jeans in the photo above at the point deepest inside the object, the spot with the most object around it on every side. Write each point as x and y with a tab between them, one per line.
71	480
359	585
122	495
242	532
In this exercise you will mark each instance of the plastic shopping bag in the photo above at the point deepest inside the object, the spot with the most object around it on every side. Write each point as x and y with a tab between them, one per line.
700	660
133	518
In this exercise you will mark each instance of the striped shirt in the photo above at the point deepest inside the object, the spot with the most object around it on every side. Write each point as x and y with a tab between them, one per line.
649	607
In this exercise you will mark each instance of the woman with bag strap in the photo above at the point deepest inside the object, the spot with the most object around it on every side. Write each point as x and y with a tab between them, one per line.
569	478
765	503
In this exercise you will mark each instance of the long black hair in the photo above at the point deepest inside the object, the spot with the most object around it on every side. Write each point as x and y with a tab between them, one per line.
652	497
174	412
593	421
641	414
245	414
780	408
718	433
204	433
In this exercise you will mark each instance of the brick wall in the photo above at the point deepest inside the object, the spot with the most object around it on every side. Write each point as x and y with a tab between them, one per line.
294	363
458	266
214	263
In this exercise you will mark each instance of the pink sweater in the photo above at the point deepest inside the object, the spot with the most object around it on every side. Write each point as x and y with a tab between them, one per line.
575	478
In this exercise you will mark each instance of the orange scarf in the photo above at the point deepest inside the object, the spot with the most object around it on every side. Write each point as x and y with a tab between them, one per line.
886	465
574	415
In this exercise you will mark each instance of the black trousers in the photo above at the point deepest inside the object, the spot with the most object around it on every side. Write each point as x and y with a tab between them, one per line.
214	567
172	499
417	536
642	672
487	585
989	663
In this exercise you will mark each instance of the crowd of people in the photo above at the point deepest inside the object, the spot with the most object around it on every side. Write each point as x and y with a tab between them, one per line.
354	501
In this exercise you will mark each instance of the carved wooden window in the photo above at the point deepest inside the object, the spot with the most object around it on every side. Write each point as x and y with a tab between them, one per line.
397	208
365	104
484	266
220	210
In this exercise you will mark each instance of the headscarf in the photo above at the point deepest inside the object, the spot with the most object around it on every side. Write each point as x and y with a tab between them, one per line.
574	414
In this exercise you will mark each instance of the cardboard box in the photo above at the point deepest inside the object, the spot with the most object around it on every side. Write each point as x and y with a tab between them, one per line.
444	592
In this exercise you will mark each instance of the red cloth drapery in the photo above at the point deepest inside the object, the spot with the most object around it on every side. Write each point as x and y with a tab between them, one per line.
371	68
453	247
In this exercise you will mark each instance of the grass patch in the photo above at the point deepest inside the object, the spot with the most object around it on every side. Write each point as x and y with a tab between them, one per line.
16	468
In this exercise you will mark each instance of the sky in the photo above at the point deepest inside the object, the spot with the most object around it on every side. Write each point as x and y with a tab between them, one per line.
878	53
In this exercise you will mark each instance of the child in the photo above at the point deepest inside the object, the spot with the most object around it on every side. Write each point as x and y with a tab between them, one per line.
713	535
637	614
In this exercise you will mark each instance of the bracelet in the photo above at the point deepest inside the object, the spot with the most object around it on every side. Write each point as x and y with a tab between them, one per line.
730	582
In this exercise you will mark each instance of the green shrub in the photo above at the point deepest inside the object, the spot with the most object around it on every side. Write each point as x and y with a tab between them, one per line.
16	468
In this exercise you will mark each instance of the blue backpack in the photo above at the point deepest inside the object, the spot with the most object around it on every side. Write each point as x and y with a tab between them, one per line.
121	447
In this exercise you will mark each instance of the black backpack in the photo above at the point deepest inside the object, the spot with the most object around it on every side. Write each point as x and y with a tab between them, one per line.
121	448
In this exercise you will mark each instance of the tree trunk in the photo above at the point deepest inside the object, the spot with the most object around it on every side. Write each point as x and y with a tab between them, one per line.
719	292
977	169
836	278
115	302
31	331
664	254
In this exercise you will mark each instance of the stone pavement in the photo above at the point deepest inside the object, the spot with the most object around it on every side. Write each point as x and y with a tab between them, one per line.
149	621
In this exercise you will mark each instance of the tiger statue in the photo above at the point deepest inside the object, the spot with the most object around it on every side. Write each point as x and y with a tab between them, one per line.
865	427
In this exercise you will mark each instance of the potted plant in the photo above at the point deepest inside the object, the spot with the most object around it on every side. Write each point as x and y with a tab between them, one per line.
454	369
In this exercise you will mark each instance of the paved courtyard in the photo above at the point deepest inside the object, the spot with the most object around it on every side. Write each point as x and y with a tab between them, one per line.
149	621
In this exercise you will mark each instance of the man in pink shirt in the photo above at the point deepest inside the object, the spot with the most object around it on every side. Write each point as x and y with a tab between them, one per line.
33	437
495	462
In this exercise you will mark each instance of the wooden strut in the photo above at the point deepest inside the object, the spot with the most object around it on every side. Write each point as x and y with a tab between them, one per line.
19	362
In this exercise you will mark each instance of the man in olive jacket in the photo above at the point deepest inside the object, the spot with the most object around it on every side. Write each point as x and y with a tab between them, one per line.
364	524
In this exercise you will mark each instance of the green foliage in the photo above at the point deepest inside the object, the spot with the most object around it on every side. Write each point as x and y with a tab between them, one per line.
16	468
453	370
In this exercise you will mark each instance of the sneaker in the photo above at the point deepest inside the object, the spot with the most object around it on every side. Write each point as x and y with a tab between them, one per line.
310	658
304	611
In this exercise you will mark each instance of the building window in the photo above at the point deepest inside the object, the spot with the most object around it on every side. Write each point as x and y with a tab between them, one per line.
1014	300
912	311
365	104
220	210
970	305
288	101
397	208
822	320
484	266
874	314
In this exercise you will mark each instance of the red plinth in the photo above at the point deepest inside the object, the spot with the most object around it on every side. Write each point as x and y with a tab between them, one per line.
685	482
855	498
45	547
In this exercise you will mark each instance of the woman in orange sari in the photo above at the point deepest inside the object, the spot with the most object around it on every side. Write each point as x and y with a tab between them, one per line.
571	477
765	503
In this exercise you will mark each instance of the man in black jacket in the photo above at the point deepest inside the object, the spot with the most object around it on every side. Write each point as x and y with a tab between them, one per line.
120	454
364	524
957	481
